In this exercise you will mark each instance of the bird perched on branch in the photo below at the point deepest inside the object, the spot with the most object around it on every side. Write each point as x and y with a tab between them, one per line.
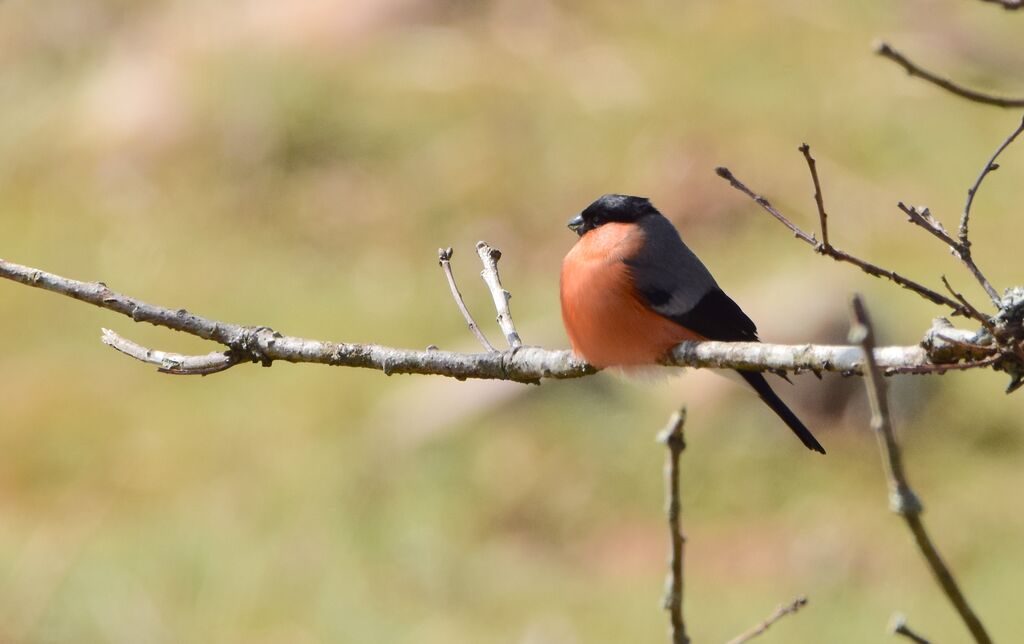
631	290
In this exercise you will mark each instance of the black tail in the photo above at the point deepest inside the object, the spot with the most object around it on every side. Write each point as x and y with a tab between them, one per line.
764	390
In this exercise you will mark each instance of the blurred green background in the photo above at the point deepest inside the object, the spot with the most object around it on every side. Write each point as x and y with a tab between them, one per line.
297	164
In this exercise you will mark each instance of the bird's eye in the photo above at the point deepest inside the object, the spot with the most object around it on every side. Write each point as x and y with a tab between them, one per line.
597	220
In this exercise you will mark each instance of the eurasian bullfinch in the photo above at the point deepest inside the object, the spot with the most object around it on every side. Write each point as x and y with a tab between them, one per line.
631	290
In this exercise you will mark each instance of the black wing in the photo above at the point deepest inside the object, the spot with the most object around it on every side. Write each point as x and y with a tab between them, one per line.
676	284
717	317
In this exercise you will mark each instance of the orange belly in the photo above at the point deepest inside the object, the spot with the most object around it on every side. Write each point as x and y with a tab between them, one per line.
607	324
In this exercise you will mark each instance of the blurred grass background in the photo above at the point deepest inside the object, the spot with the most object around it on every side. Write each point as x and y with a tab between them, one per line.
298	164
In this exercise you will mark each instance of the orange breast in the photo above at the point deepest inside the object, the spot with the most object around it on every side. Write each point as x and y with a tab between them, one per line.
607	323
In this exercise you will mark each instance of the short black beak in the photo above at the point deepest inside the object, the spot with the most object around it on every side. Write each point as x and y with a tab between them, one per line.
576	223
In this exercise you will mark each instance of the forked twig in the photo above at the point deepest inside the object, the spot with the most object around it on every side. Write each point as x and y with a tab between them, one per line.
923	217
902	499
962	246
672	438
838	255
885	50
781	611
444	258
265	346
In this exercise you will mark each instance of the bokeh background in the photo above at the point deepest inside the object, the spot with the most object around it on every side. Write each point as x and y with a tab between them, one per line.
297	164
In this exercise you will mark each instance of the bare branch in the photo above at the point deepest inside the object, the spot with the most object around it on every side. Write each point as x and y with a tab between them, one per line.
490	256
886	51
727	174
990	166
813	167
672	438
923	218
524	364
173	363
898	626
781	611
838	255
902	499
964	249
844	359
444	258
972	311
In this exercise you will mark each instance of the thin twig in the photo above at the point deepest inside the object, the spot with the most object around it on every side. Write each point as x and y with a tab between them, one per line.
838	255
902	499
973	312
172	363
922	217
886	51
727	174
898	626
965	244
672	438
818	200
444	258
781	611
990	166
490	256
526	364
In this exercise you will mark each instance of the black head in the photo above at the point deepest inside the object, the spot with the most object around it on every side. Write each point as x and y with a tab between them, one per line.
611	208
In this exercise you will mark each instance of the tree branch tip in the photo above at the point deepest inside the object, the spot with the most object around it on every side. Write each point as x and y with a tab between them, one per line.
897	622
672	434
857	303
724	172
494	253
898	626
780	611
860	329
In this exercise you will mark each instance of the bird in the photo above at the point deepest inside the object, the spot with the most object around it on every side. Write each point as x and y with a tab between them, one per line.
631	290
